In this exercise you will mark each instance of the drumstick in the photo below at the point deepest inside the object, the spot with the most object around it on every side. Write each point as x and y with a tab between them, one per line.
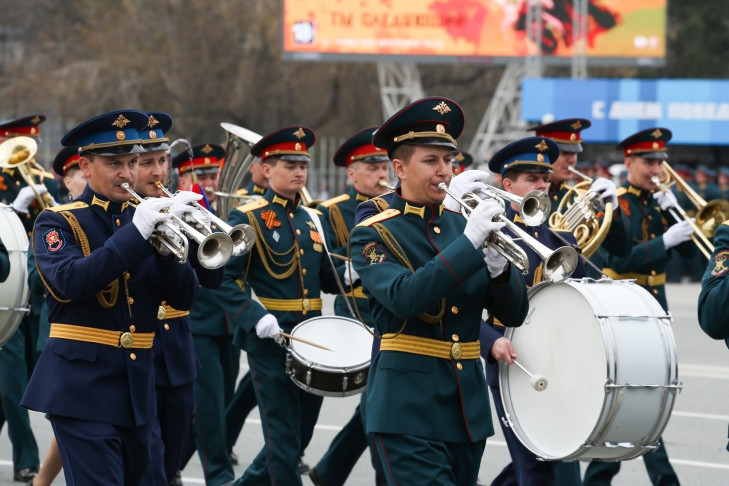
538	382
306	341
336	256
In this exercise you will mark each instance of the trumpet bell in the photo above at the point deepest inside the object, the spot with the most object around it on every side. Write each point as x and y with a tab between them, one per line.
243	238
535	208
560	264
17	151
215	250
711	216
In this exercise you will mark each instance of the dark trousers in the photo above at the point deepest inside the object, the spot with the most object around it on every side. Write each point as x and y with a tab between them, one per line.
98	453
407	459
243	401
288	416
656	463
13	381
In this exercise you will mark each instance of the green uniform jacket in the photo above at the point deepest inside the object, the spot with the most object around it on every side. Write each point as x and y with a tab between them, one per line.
287	262
413	394
714	294
648	256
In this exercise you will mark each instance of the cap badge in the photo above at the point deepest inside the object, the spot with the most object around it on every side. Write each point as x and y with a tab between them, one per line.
656	145
33	130
576	125
120	135
442	108
300	133
206	149
120	122
207	160
459	157
573	137
440	128
657	133
152	121
541	146
152	134
540	158
297	147
36	120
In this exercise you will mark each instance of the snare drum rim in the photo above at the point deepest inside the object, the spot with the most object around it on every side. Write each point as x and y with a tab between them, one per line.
317	366
12	295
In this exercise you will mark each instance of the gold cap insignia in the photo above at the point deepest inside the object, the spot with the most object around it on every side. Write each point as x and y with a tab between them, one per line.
152	134
297	147
540	158
440	128
656	145
120	135
541	146
121	121
573	137
300	133
576	125
33	130
153	121
207	160
459	157
442	108
36	120
206	149
657	133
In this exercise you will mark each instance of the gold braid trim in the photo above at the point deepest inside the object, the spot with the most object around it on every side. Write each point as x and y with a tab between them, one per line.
113	289
339	226
380	204
538	274
392	244
269	253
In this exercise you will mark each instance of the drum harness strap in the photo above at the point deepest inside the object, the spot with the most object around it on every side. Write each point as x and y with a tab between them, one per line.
640	278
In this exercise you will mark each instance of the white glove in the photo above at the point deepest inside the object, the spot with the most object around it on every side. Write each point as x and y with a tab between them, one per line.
495	261
267	327
480	222
606	189
25	197
181	203
677	234
666	200
149	213
468	181
350	274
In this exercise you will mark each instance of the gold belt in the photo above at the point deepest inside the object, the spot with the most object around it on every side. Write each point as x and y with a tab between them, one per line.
167	312
640	278
430	347
357	293
135	340
291	305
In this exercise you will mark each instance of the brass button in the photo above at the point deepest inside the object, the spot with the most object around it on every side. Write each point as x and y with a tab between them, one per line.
298	231
132	328
459	366
536	234
456	350
118	222
126	275
306	291
167	327
306	305
134	356
436	230
653	272
645	203
161	312
291	215
655	291
455	338
454	310
653	235
303	271
301	251
555	197
130	300
126	340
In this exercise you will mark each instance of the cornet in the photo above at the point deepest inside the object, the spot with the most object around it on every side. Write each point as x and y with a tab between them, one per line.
386	184
214	249
17	153
558	264
534	207
242	236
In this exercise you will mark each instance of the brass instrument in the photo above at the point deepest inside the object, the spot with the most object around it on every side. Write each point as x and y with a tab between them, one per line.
558	264
209	190
386	184
242	235
534	207
17	153
699	238
579	213
214	250
238	159
709	215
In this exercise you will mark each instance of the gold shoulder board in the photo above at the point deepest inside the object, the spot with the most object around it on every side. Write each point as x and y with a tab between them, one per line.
69	206
335	200
622	191
386	214
258	203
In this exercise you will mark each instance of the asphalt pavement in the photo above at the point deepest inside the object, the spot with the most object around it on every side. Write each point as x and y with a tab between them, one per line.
696	435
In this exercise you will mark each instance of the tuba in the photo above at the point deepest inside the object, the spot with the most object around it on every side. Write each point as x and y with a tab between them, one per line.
17	153
581	212
238	159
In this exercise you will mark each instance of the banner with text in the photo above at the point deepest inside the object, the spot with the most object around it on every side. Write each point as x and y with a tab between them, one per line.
695	110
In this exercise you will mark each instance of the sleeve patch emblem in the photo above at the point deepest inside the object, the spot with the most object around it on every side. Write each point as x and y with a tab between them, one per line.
372	253
54	240
720	263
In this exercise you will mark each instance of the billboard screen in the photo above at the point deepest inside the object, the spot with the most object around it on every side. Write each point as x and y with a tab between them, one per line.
626	31
695	110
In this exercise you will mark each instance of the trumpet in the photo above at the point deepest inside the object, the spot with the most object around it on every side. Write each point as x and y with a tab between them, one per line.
699	238
558	264
231	195
214	250
386	184
242	236
17	153
534	207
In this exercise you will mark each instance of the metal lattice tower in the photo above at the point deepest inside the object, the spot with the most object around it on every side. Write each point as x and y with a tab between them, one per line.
579	40
399	86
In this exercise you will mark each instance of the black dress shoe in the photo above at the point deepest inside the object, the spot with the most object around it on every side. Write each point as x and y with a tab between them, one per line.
177	480
303	467
25	475
233	456
315	477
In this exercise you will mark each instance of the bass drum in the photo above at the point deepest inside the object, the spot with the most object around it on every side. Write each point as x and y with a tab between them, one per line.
14	290
340	372
607	350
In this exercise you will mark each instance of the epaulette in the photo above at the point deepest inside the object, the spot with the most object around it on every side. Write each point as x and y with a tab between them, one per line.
258	203
69	206
622	191
384	215
335	200
241	192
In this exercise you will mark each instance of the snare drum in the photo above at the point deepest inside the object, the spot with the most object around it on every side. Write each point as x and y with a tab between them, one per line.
607	349
338	373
